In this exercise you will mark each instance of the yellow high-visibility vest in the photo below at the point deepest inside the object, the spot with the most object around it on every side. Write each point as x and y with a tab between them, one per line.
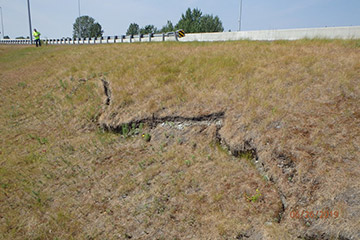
36	35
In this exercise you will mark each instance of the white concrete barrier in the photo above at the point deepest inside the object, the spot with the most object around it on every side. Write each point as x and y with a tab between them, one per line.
271	35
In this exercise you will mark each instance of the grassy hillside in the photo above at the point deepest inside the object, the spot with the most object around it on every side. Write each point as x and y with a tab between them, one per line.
180	141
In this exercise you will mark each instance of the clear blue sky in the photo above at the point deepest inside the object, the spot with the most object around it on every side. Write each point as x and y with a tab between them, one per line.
54	18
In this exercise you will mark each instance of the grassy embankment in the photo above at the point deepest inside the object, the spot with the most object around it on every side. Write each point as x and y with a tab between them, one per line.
64	177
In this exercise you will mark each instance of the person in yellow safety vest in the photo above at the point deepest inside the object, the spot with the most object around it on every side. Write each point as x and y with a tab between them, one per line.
37	38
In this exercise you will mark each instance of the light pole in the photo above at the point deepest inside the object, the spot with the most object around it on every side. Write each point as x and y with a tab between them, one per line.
240	13
80	34
79	8
31	38
2	24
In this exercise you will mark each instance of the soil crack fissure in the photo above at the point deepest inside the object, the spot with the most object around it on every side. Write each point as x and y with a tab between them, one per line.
246	149
107	91
153	121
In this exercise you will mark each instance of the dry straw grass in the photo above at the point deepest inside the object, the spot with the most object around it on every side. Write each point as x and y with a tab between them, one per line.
63	177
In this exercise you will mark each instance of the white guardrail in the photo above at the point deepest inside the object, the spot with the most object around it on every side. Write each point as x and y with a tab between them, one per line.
263	35
171	36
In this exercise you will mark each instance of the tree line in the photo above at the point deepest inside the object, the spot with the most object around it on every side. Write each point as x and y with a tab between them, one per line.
192	21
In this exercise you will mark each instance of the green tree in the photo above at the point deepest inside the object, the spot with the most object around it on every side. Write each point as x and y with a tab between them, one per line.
190	21
86	27
133	29
169	27
209	23
96	30
6	37
193	21
148	29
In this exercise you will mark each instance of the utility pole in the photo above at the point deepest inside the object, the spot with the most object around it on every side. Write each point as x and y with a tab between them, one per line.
240	13
2	24
31	38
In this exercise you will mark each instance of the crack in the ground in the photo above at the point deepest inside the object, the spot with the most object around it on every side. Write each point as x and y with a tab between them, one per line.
179	122
217	118
248	149
107	91
153	121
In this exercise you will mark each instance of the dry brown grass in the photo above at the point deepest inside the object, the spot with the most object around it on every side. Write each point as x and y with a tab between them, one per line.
63	177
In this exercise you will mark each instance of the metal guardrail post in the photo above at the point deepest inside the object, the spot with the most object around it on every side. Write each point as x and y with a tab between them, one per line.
131	38
94	40
163	37
150	37
115	37
139	37
122	38
176	36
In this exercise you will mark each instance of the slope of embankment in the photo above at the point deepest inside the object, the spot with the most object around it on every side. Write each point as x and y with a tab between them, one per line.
232	140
